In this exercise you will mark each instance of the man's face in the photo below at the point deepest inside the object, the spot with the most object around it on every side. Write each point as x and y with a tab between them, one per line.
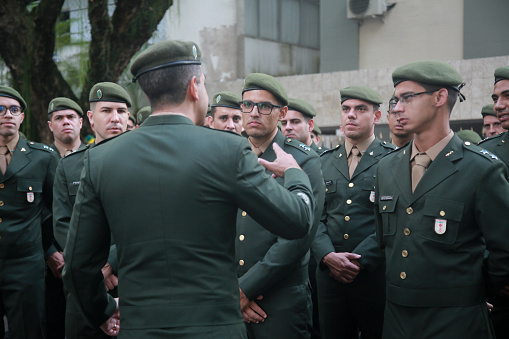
130	124
259	125
108	119
358	119
296	126
226	118
500	98
492	126
9	124
65	125
419	113
395	125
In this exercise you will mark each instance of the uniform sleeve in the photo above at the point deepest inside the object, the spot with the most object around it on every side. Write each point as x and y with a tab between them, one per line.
62	206
87	252
283	256
285	211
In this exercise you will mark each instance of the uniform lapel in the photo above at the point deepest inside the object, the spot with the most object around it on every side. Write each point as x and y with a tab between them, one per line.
401	172
269	154
369	158
19	159
340	161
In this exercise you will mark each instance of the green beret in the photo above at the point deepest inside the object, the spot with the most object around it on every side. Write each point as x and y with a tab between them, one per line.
302	106
59	104
502	73
428	72
469	135
361	93
226	99
317	130
132	117
260	81
142	114
109	91
488	110
165	54
10	92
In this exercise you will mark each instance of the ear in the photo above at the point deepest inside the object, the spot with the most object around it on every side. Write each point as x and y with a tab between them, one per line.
90	116
282	112
81	122
311	125
210	120
441	97
49	125
378	116
193	88
22	118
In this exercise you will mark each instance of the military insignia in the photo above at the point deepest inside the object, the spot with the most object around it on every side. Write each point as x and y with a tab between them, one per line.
195	52
493	156
99	94
23	149
371	153
30	196
340	155
306	147
372	196
218	98
440	226
328	182
404	151
451	152
386	198
304	197
139	116
52	106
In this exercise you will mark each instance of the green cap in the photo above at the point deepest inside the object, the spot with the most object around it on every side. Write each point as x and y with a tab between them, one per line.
302	106
260	81
361	93
469	135
142	114
132	117
165	54
488	110
502	73
428	72
226	99
109	91
317	130
10	92
59	104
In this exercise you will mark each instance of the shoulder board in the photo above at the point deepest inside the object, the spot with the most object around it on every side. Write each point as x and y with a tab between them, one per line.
297	144
478	150
492	138
39	146
330	150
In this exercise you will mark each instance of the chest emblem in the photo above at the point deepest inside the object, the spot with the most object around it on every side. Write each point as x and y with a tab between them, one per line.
30	196
440	226
372	196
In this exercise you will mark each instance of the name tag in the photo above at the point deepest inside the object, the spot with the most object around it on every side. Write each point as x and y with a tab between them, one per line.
386	198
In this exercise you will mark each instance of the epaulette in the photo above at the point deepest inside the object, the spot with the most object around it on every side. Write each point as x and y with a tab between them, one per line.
297	144
478	150
387	145
501	135
39	146
330	150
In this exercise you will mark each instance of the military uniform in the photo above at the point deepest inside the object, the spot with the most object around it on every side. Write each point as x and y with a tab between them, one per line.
277	268
348	225
25	188
318	149
54	147
498	145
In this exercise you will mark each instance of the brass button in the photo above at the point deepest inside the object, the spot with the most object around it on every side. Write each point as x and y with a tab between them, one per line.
30	188
347	218
406	231
1	185
402	275
467	143
31	142
404	253
384	208
349	202
442	213
410	210
346	236
1	203
351	184
241	262
244	213
326	190
241	237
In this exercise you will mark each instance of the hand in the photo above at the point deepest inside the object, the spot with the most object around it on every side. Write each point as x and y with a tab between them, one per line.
343	266
56	264
504	291
283	162
490	306
110	279
112	326
251	312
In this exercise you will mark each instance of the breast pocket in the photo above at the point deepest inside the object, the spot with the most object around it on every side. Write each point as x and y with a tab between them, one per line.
367	197
331	194
441	219
388	212
28	192
72	187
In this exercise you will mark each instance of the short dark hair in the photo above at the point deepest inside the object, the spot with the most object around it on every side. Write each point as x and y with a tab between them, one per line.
168	85
452	94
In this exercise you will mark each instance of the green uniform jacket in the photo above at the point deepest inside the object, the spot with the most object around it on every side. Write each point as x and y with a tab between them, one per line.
25	188
434	239
318	149
263	259
174	226
348	222
498	145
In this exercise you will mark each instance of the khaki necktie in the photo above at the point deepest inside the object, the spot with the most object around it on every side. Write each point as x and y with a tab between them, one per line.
3	159
355	157
422	161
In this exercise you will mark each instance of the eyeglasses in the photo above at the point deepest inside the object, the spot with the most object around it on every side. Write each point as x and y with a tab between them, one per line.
405	99
15	110
264	108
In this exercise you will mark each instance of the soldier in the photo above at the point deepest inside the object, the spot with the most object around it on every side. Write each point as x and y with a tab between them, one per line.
399	136
27	170
108	115
225	112
131	123
316	134
499	146
434	230
65	119
143	114
350	278
273	272
491	123
176	247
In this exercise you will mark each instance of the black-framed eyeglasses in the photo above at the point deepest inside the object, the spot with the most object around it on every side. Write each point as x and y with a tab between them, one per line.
264	108
405	99
15	110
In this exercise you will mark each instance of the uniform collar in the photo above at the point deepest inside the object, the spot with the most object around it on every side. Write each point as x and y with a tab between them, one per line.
434	150
362	146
